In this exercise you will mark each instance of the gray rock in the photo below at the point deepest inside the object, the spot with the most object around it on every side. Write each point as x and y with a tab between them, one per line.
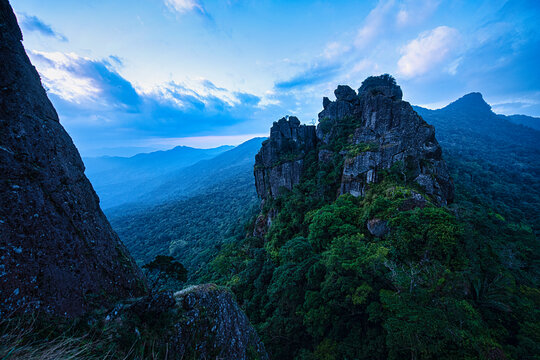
396	135
378	227
345	93
279	163
386	133
215	327
202	322
59	252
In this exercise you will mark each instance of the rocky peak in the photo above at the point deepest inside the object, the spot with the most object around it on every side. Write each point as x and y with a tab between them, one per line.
373	131
279	163
59	252
345	93
473	102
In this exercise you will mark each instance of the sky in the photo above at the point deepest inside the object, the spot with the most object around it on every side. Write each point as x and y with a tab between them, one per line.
129	76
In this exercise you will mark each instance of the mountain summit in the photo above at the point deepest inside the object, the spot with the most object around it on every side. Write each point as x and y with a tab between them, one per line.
368	133
472	102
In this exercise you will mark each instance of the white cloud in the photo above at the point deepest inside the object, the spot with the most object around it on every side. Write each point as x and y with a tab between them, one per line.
374	23
184	6
429	49
413	12
55	69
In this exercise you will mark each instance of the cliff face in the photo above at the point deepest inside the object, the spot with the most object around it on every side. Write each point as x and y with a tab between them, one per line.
280	161
378	130
58	251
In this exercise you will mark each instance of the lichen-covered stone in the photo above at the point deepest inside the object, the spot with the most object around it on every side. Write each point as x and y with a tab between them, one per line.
58	251
378	227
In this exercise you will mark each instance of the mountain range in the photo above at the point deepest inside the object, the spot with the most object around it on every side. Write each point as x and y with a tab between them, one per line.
479	146
123	179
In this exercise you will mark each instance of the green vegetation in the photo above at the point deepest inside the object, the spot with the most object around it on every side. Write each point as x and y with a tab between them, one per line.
191	230
445	283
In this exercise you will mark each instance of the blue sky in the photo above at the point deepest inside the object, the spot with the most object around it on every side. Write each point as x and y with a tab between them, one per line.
135	75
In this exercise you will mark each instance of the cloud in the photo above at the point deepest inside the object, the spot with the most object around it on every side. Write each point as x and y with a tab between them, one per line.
375	23
33	23
313	75
413	12
98	106
85	82
369	50
185	6
429	49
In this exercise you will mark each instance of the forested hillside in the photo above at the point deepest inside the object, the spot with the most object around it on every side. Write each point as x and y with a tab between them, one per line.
197	210
119	180
492	160
392	274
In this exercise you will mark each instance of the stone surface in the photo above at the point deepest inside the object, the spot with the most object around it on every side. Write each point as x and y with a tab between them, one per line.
385	132
279	163
388	132
215	327
378	227
199	322
58	251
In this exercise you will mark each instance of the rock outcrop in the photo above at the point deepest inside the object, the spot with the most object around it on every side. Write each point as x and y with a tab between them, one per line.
58	251
280	162
202	322
373	130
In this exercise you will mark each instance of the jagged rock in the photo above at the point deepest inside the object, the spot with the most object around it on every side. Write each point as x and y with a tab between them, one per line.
384	132
279	163
58	251
388	132
345	93
378	227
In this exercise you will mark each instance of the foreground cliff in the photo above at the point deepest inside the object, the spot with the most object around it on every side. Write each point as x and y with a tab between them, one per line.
59	253
68	286
372	130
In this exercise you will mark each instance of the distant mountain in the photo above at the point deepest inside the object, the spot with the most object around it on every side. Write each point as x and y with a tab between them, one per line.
190	214
204	174
529	121
118	180
492	158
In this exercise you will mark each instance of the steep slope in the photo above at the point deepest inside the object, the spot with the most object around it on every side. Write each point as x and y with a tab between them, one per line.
119	180
492	159
394	269
202	206
59	253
